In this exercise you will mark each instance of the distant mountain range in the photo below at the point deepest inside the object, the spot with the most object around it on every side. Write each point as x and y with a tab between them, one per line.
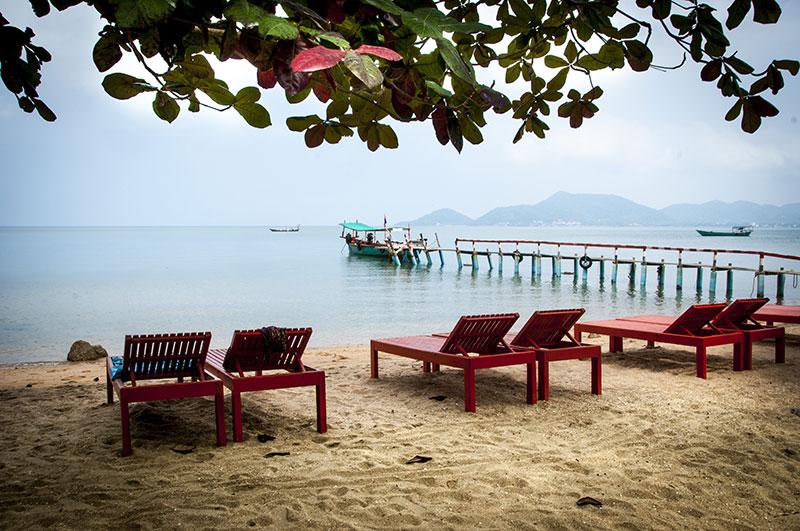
601	209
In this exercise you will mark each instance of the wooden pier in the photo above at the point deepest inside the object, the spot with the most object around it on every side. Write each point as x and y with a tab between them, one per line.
580	258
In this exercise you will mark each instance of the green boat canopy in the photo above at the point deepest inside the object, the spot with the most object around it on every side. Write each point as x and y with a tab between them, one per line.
355	225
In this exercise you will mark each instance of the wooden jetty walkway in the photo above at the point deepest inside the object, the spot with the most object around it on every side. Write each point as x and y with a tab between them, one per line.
578	265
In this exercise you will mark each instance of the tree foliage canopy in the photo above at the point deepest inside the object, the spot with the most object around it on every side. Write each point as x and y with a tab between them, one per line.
371	62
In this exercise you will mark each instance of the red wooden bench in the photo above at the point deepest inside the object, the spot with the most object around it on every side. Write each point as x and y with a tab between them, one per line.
545	333
738	316
773	313
476	342
158	357
246	354
692	328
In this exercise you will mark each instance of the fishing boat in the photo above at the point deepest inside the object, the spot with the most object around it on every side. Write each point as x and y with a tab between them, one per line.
362	240
739	230
296	228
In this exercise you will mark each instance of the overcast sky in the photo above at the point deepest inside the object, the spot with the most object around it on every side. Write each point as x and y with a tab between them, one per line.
659	139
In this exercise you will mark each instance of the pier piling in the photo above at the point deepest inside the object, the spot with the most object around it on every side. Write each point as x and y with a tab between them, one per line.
781	285
489	259
602	269
729	283
679	279
643	274
699	286
660	274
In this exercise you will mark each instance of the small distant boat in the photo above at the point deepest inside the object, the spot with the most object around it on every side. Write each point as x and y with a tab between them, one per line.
740	230
285	229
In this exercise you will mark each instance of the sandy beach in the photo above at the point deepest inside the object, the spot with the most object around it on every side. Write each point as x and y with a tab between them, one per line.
660	449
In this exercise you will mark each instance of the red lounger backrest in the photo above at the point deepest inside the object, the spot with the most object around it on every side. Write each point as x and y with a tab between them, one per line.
738	312
247	347
481	334
694	319
154	356
547	327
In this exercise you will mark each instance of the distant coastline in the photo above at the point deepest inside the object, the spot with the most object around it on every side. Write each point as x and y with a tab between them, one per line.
567	209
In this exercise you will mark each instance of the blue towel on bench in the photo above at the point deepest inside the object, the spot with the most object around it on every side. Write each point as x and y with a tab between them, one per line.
116	367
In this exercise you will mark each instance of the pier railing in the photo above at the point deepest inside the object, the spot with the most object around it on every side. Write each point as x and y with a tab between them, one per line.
559	253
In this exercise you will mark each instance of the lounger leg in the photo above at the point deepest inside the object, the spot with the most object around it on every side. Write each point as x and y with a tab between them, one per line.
126	427
322	414
373	362
597	375
651	343
531	381
780	349
700	360
109	389
544	378
435	367
743	360
614	344
469	390
577	336
236	412
426	366
219	406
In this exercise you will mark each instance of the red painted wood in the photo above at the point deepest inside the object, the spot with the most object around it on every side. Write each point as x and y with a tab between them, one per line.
163	356
476	342
246	355
773	313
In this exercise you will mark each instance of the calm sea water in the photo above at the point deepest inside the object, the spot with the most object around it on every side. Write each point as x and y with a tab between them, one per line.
62	284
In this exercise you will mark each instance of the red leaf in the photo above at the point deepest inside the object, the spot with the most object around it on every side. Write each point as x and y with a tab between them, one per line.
439	117
379	51
321	92
266	79
316	58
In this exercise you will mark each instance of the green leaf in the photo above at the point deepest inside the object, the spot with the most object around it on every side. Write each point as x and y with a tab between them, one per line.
425	22
254	114
279	27
470	131
736	13
739	65
558	80
553	61
245	12
590	62
387	136
141	13
613	54
301	123
335	39
218	94
766	12
571	51
123	86
165	107
106	53
337	107
734	111
248	95
454	61
751	121
630	31
438	89
386	5
44	111
364	69
789	65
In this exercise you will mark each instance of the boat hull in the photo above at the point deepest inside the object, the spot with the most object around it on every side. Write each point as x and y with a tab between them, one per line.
365	249
720	233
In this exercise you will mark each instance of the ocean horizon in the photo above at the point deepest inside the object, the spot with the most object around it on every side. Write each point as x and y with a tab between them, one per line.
61	284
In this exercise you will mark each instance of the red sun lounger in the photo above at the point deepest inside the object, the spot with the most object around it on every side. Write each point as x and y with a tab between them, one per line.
158	357
738	316
246	354
476	342
691	328
545	334
773	313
